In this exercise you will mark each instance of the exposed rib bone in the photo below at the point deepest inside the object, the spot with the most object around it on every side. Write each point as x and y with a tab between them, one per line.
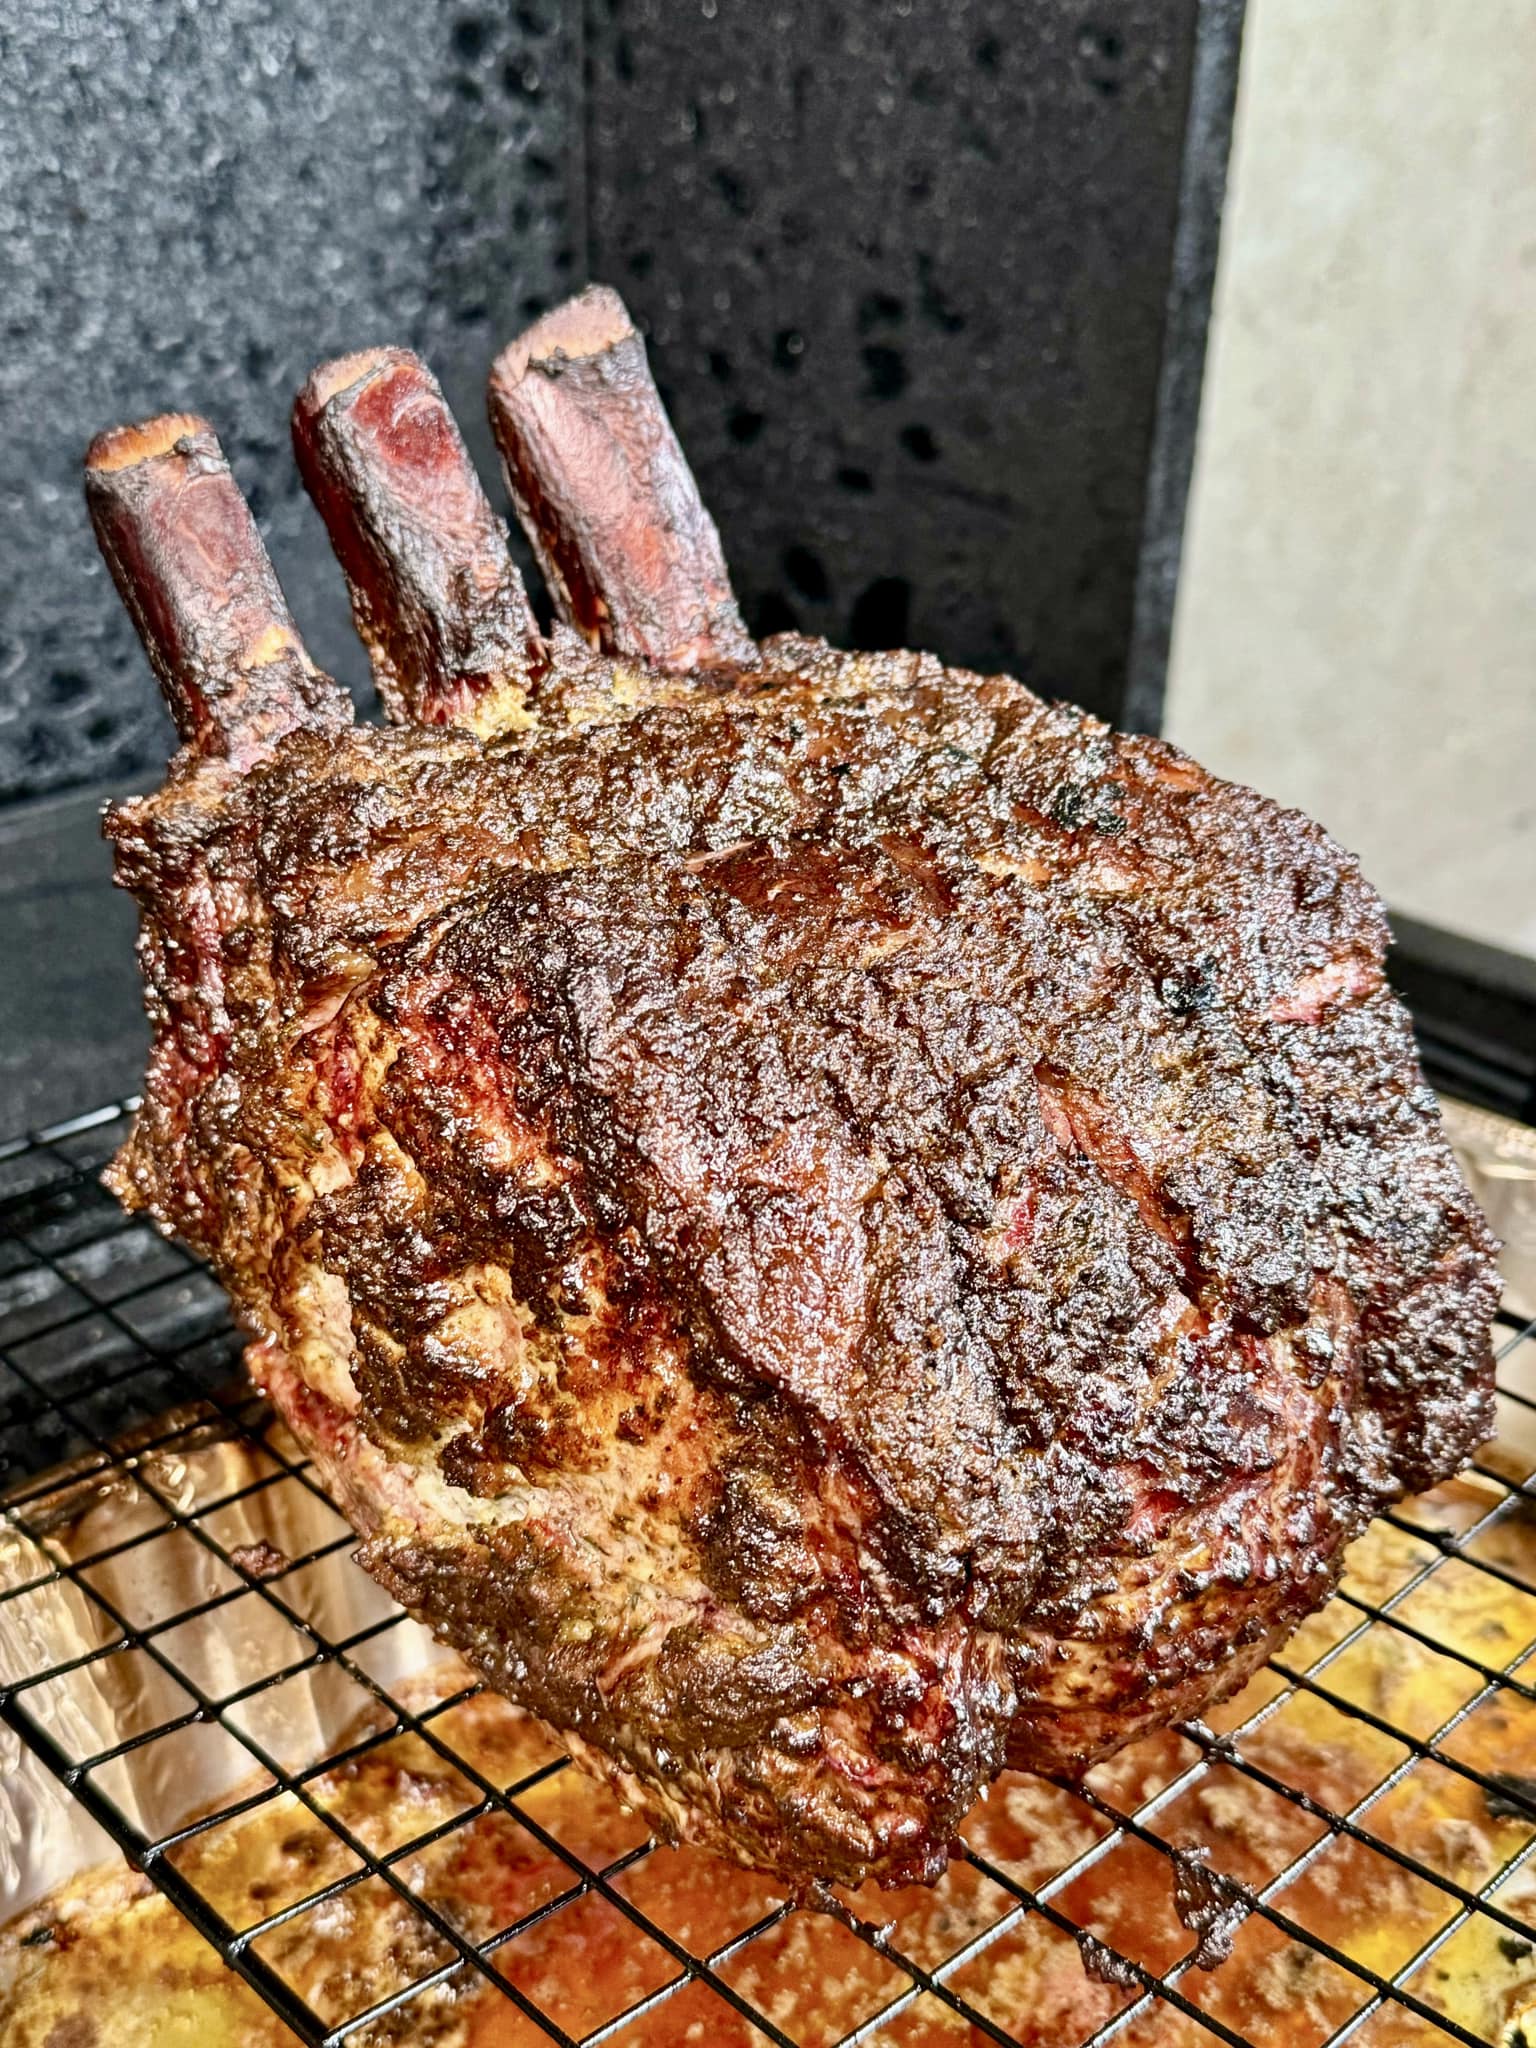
199	586
604	493
435	595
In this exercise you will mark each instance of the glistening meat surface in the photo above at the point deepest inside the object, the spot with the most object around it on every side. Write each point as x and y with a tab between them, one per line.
835	1225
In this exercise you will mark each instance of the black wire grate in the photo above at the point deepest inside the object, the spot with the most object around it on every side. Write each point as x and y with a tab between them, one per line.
1359	1824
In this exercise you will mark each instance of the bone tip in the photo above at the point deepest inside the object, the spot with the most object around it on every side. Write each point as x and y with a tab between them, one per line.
125	447
595	321
349	373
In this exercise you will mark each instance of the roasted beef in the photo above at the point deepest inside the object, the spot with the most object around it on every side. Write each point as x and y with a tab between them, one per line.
835	1225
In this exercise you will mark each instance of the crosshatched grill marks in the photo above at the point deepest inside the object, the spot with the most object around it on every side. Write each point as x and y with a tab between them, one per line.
375	1850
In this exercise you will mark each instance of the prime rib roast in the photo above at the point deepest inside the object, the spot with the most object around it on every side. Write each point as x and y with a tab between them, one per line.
836	1226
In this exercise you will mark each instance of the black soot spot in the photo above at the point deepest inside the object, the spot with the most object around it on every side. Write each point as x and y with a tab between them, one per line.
41	748
1102	54
880	309
887	371
806	573
934	303
771	613
733	191
880	614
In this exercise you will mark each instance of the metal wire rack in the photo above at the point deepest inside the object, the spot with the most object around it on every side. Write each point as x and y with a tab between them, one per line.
1358	1826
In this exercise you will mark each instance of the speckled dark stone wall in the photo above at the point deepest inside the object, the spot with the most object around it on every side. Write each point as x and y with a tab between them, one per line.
197	203
905	269
904	266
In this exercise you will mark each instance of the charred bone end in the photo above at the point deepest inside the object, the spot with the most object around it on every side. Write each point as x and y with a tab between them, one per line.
200	588
605	495
435	596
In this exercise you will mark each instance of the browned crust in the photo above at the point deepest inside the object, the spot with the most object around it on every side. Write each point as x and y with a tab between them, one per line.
828	1235
435	595
1164	1281
605	494
190	566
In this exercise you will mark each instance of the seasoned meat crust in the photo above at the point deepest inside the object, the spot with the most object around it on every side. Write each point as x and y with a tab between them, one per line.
834	1224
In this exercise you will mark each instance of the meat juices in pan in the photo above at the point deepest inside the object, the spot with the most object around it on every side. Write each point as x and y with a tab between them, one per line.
835	1225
